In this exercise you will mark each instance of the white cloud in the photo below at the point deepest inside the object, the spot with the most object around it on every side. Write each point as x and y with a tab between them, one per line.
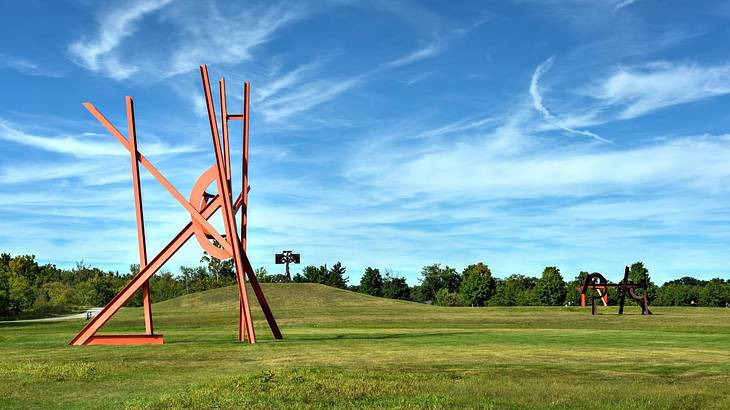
214	36
304	97
202	34
547	115
641	90
283	82
624	3
485	170
458	126
99	53
420	54
84	147
25	66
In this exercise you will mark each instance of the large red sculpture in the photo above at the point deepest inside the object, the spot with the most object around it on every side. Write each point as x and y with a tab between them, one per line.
201	206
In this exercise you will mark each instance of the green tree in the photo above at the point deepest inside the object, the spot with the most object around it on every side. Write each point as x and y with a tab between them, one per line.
197	279
58	293
714	294
551	288
4	292
262	275
528	297
21	293
638	273
84	294
434	278
395	287
26	267
336	276
417	294
515	290
371	282
165	286
315	274
221	270
446	298
477	285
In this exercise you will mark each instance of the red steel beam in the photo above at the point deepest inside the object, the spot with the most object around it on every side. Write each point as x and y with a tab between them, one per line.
126	340
224	128
137	189
244	163
230	221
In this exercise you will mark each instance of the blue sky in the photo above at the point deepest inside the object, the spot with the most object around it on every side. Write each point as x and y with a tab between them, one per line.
582	134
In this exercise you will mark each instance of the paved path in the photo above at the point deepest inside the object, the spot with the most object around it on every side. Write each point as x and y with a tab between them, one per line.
56	318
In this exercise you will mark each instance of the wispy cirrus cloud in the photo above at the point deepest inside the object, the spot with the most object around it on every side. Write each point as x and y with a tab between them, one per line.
99	52
422	53
204	33
637	91
303	97
538	104
624	3
25	66
83	147
217	36
460	126
286	81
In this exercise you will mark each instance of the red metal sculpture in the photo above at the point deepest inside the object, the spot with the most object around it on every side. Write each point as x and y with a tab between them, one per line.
599	286
201	206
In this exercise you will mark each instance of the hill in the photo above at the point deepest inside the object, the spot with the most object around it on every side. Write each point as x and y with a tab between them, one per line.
279	296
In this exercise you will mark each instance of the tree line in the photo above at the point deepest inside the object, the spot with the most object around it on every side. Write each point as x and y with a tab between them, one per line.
29	289
476	286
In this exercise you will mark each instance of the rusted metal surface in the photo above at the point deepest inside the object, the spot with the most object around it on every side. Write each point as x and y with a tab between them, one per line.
137	191
201	206
599	287
125	340
228	216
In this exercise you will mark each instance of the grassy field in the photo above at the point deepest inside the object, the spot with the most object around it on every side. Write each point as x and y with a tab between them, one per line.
348	350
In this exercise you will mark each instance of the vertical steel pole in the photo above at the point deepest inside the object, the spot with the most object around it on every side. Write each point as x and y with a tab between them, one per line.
244	216
244	180
227	160
593	299
622	291
242	330
224	128
244	165
137	189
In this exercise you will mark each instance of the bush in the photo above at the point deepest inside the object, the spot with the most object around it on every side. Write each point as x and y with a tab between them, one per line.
446	298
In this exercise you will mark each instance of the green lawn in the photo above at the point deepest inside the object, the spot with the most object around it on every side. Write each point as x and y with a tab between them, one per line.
349	350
